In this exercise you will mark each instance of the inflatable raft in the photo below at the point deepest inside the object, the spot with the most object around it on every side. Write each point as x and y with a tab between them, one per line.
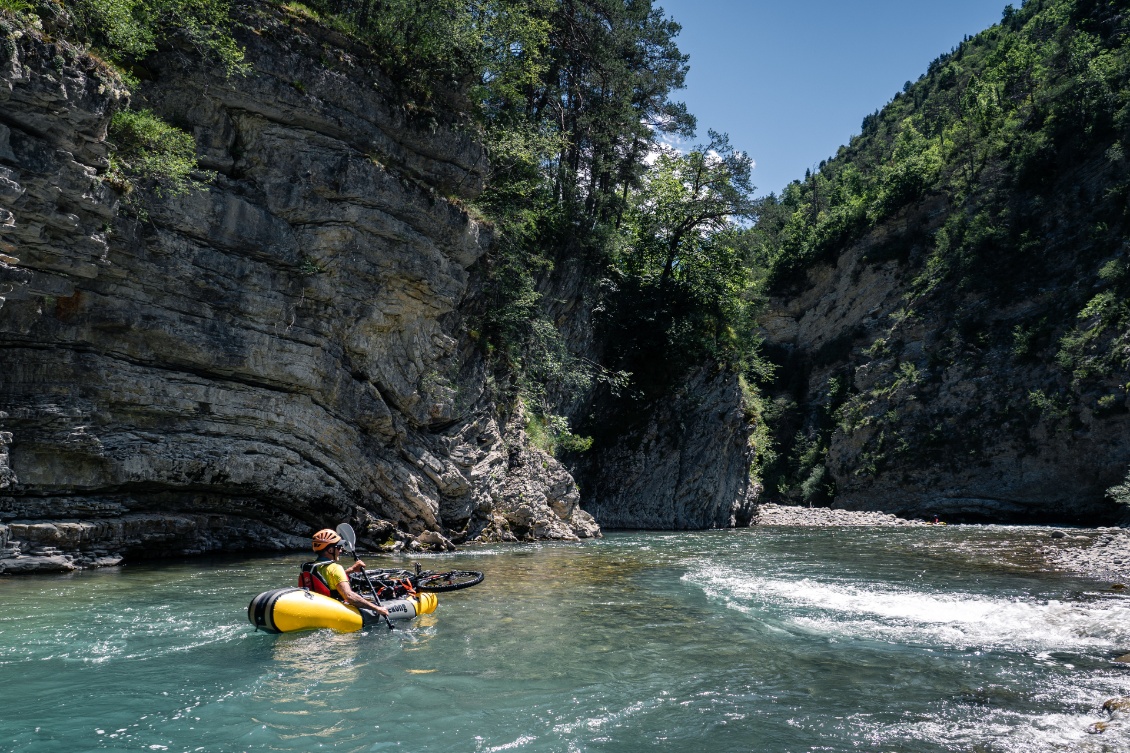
285	610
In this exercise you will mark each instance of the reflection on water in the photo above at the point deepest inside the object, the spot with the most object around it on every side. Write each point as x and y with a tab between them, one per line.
925	639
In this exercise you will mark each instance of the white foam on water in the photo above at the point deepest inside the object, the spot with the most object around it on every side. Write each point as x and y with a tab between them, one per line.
606	719
1008	732
954	619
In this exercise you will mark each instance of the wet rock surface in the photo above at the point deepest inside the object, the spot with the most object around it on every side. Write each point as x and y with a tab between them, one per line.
1117	723
237	366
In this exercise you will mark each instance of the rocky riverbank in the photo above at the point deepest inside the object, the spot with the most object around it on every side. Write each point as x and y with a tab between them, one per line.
1100	553
787	515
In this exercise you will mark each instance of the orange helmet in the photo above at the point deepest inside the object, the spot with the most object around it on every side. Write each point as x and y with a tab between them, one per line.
324	538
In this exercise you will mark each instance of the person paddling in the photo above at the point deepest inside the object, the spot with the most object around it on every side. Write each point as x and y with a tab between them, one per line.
325	576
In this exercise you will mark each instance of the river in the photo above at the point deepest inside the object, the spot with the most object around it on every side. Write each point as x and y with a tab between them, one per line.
764	639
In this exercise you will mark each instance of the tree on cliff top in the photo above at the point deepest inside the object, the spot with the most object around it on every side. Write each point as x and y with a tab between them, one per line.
569	149
126	31
685	284
684	201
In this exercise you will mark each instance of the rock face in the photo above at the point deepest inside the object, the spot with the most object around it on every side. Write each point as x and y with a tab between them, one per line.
935	412
684	466
539	498
277	351
678	463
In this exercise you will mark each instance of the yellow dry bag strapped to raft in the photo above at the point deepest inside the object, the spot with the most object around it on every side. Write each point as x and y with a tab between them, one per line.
285	610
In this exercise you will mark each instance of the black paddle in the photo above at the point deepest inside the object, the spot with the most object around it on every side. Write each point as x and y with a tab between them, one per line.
346	532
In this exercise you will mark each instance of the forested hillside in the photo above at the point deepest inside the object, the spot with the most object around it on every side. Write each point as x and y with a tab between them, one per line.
950	291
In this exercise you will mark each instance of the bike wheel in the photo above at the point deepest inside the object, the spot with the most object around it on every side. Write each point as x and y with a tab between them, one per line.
452	580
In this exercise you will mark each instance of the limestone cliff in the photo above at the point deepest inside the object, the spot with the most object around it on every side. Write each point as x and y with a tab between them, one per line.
278	350
951	308
681	461
926	405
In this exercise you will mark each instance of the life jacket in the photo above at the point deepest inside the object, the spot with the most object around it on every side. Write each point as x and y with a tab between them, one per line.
311	578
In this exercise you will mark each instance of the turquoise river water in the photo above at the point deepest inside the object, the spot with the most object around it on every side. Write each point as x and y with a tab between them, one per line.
763	639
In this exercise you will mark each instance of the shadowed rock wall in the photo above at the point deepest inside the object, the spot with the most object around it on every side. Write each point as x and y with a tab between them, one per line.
683	464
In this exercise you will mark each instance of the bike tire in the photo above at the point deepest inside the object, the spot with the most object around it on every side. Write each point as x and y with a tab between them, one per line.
452	580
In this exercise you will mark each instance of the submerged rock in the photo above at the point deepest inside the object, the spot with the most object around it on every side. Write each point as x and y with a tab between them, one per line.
1120	705
1119	711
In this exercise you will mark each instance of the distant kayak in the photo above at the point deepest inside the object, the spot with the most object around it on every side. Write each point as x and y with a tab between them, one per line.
286	610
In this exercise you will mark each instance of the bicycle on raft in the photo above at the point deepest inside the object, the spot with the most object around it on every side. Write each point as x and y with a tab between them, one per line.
397	584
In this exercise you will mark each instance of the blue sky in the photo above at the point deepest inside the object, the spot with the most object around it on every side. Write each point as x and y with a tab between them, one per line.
791	80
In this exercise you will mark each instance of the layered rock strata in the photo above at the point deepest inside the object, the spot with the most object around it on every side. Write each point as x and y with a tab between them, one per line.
275	351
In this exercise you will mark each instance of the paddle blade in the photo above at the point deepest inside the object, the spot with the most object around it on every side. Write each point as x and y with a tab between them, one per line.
346	532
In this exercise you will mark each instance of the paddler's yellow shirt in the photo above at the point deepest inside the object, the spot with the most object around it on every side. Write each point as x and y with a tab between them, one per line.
332	572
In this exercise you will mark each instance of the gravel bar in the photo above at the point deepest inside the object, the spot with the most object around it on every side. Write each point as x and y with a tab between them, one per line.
788	515
1101	553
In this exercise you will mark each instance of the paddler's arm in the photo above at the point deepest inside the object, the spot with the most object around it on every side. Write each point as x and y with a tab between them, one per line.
354	598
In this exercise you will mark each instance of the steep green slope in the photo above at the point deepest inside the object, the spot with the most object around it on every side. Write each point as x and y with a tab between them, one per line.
952	290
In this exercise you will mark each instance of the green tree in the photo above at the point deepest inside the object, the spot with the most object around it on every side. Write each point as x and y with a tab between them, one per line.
685	202
568	141
129	30
684	289
612	65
